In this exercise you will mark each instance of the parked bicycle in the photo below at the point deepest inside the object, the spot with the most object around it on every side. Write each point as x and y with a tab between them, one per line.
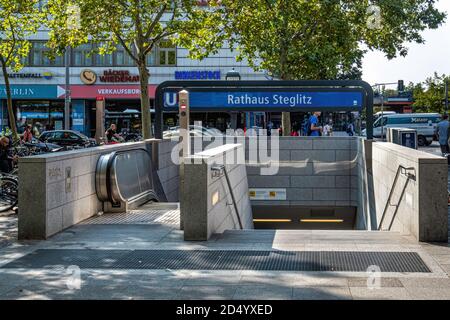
9	191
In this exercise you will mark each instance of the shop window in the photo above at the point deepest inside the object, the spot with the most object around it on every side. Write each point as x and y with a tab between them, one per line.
41	115
39	56
82	55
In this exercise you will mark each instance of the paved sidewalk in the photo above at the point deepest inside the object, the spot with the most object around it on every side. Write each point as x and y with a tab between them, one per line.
156	229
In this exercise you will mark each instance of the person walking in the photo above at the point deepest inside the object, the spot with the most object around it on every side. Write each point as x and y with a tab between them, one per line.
328	129
314	130
350	129
27	134
111	134
442	129
6	160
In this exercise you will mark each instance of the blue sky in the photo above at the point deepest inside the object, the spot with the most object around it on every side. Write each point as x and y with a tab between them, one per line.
421	62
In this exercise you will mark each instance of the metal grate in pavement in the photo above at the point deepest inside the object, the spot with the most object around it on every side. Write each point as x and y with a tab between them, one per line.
224	260
170	217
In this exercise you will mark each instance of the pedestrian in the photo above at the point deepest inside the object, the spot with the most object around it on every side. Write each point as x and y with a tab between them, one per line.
442	129
111	134
350	129
314	130
328	129
6	161
269	128
27	134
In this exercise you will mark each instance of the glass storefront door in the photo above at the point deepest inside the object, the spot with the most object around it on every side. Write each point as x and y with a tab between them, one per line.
41	115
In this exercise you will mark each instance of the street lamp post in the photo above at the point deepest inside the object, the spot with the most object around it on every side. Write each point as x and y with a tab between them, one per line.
67	98
446	96
382	112
73	22
381	88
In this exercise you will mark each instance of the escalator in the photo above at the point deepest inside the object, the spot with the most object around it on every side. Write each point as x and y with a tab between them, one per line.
128	179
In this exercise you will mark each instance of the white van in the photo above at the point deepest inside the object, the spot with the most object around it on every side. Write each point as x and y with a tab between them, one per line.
424	123
384	113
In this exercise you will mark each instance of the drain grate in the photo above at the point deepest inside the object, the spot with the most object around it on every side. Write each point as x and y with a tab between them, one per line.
223	260
168	217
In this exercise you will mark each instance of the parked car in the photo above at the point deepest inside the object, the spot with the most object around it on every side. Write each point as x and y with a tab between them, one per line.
66	138
424	123
43	146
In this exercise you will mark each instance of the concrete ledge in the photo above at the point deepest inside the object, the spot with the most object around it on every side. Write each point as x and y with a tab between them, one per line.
207	204
423	208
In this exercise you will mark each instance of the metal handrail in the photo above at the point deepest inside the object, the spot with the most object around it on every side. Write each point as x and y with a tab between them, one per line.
404	171
222	169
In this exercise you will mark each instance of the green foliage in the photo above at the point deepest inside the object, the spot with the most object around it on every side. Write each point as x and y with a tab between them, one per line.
18	20
429	95
323	39
137	26
6	132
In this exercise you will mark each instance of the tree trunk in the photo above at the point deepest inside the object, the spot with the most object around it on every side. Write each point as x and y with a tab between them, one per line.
9	103
144	76
286	123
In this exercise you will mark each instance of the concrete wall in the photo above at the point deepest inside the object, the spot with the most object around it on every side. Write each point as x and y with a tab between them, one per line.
423	207
314	171
207	205
168	170
363	169
50	202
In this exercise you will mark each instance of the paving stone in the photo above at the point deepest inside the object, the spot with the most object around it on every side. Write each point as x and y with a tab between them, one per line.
429	293
149	293
446	268
322	293
385	282
214	278
361	293
426	283
324	280
444	259
256	292
206	293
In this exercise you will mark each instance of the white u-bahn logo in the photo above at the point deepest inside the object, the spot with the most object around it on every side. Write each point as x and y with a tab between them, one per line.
170	99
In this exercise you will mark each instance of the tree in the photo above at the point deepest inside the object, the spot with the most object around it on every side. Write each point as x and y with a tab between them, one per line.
323	39
18	20
136	25
429	96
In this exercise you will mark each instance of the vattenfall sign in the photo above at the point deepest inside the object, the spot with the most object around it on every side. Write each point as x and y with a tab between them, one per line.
282	100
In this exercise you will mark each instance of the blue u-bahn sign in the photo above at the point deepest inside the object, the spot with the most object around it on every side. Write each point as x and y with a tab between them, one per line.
275	100
267	96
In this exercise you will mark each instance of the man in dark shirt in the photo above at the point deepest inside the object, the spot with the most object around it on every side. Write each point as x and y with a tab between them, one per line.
5	158
111	133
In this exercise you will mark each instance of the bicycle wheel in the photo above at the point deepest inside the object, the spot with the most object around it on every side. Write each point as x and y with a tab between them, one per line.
9	188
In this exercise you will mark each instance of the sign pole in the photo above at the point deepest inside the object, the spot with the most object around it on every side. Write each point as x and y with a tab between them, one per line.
100	121
67	95
446	96
183	113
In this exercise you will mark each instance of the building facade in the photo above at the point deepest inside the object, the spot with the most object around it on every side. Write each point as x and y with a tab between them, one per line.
38	90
